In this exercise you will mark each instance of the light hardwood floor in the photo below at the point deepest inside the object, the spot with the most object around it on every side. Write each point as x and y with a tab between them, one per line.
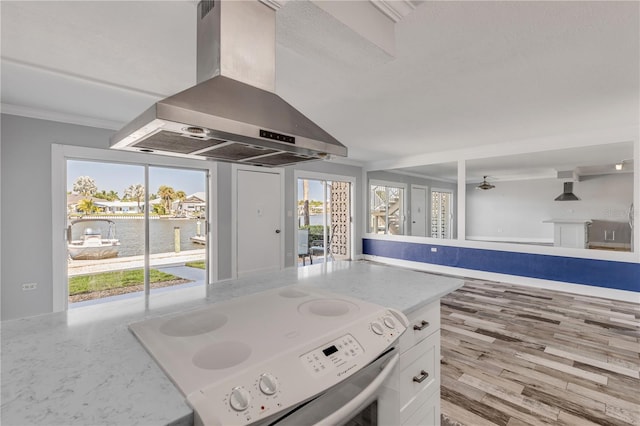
514	355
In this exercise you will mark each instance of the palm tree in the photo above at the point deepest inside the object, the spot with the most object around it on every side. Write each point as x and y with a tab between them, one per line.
109	196
87	206
135	192
113	195
180	196
84	185
167	194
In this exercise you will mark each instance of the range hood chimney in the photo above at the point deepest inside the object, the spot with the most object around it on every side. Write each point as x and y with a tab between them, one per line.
232	114
567	194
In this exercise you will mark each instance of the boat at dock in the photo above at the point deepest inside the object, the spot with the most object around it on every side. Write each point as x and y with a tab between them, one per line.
92	245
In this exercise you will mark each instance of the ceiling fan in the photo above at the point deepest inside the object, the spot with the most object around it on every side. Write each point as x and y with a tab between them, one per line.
485	185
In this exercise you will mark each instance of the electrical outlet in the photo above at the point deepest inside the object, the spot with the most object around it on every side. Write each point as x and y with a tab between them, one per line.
29	286
434	249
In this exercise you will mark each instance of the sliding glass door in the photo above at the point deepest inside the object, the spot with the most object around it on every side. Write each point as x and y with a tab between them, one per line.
133	229
323	220
177	225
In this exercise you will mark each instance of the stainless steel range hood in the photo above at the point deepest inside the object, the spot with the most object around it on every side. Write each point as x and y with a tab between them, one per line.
567	194
233	113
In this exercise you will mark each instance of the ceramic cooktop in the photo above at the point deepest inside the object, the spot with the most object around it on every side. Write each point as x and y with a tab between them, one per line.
243	350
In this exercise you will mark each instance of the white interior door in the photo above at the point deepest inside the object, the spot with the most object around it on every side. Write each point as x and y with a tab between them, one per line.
419	211
259	221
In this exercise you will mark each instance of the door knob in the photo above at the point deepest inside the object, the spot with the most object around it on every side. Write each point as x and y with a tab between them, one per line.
277	231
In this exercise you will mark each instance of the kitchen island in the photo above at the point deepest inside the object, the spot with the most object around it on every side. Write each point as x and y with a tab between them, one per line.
85	367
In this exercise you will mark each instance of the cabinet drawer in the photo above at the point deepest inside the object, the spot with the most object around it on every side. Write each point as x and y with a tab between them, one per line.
419	373
428	414
422	323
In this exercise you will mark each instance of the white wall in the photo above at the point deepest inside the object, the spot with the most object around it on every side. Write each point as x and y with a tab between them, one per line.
515	210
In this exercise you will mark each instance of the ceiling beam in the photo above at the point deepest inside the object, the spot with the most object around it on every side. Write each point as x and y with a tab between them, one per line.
365	19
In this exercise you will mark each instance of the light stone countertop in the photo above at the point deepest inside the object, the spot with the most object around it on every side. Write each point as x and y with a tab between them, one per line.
84	367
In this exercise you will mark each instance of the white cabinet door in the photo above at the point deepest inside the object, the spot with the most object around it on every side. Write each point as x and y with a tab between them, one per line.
571	235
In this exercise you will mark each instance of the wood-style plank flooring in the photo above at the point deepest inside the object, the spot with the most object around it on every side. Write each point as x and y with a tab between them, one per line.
514	355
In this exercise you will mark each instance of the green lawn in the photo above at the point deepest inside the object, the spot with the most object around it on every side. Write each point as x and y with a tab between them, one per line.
115	279
198	264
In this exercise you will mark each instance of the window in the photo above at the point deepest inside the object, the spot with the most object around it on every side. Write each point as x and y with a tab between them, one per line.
386	208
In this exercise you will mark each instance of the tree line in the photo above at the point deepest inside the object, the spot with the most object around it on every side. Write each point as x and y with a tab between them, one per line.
86	186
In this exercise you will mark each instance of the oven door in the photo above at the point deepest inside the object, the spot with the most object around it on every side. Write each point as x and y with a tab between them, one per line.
369	397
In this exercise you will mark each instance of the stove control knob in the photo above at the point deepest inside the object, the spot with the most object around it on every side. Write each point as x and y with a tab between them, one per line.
239	398
388	321
376	327
268	384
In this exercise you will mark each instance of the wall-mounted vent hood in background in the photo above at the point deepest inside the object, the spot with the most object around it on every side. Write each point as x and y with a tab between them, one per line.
567	194
232	114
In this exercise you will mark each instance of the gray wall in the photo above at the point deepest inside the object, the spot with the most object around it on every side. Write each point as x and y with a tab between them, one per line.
224	207
26	203
26	206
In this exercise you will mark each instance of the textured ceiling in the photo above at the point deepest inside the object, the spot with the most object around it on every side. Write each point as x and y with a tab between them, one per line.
465	74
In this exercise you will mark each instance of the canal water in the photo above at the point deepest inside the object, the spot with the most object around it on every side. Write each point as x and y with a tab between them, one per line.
130	232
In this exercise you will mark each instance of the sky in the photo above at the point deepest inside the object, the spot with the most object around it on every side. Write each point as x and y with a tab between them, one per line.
118	177
315	189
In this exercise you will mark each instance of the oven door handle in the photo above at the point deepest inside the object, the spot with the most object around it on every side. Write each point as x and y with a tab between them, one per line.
345	412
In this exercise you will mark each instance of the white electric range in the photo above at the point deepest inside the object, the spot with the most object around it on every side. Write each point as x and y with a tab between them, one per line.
258	358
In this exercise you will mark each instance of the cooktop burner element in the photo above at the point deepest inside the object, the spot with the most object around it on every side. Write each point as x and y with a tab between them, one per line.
193	324
250	359
328	307
221	355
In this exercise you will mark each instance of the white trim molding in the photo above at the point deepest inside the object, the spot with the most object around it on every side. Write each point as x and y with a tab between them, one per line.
45	114
394	9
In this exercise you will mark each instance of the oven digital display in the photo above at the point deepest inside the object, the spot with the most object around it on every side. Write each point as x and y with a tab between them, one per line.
330	350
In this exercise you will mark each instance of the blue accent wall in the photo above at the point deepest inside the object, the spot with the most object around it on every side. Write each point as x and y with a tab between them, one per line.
600	273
